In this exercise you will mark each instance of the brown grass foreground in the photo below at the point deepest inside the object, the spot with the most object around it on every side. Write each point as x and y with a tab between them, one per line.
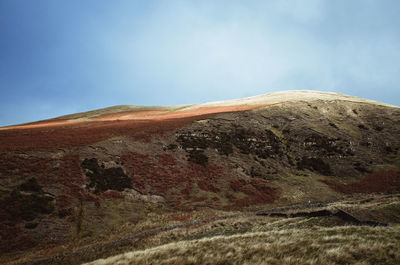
284	239
314	245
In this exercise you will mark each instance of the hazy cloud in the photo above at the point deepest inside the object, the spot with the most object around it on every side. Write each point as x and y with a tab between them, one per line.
95	54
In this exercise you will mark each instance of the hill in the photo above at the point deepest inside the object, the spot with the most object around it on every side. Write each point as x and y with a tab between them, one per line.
89	178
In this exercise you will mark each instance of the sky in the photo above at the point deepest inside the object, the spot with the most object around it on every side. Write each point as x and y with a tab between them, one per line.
60	57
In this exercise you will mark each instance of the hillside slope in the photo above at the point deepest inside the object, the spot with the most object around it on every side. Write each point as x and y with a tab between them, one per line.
77	178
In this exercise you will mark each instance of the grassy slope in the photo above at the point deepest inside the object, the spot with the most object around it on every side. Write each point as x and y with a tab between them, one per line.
278	242
256	239
252	239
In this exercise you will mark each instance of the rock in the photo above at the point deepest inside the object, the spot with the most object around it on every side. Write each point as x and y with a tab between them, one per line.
134	195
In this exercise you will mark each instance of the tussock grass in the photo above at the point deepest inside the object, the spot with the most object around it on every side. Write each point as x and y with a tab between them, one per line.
312	245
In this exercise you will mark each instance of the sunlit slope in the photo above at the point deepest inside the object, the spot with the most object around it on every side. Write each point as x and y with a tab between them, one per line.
132	112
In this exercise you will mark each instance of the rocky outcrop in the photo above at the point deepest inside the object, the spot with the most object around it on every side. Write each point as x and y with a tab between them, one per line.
102	179
134	195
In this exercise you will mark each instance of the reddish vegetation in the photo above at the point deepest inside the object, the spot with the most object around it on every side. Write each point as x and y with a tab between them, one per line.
12	238
45	123
111	194
256	189
207	186
166	160
69	175
237	184
85	133
64	173
59	133
22	167
140	115
160	177
64	201
381	181
165	176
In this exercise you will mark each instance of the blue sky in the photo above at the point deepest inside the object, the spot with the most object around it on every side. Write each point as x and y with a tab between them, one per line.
61	57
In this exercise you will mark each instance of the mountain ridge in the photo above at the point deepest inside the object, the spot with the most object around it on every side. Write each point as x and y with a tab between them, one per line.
263	100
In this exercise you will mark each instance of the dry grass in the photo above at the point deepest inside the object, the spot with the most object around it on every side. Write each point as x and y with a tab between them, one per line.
314	245
205	240
236	227
115	220
266	240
